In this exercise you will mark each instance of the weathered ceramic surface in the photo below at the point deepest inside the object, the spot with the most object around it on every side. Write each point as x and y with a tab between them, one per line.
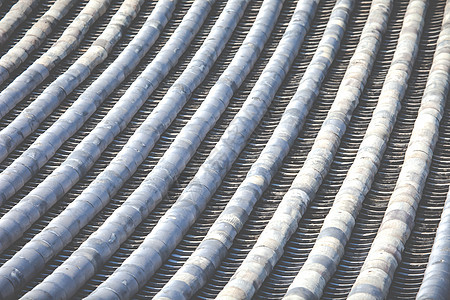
436	282
134	272
385	253
40	69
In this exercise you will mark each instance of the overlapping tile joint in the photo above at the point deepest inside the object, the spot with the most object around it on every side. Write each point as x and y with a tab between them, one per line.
198	149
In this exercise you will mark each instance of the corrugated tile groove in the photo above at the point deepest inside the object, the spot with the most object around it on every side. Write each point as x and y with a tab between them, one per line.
312	288
182	152
371	212
409	274
70	144
23	168
176	157
175	288
436	281
41	68
302	241
224	88
117	68
47	43
204	148
87	152
125	281
265	206
208	255
30	118
141	142
84	107
81	159
338	225
385	253
111	151
33	38
54	34
14	17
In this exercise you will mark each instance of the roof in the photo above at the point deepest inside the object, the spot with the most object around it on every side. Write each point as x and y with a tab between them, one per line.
202	149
